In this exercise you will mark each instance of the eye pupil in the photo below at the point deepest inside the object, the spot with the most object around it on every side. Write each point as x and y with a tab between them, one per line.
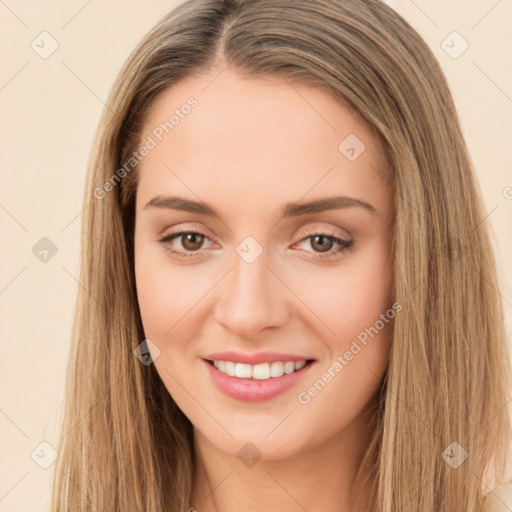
323	247
196	240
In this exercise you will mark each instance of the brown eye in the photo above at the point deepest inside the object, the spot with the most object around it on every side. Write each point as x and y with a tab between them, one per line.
192	241
321	243
325	245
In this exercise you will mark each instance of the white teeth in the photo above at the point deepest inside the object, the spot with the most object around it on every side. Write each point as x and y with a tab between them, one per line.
300	364
261	371
289	367
242	371
276	369
230	368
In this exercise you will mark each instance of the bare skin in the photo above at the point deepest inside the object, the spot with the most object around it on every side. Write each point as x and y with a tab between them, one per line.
248	148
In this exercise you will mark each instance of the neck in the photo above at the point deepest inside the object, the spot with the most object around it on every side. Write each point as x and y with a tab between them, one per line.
320	477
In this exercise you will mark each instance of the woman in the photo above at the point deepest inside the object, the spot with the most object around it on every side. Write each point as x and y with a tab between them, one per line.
288	295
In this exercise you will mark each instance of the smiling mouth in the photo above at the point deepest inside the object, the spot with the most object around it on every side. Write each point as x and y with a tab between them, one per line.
262	371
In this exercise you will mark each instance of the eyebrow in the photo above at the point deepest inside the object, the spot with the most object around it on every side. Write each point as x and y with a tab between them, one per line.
289	209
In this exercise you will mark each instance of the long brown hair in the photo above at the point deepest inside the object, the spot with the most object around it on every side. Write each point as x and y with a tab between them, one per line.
125	445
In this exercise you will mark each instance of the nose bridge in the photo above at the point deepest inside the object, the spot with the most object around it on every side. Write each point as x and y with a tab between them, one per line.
251	298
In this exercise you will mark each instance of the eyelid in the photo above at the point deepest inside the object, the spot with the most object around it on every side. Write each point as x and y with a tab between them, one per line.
318	229
186	228
175	235
344	243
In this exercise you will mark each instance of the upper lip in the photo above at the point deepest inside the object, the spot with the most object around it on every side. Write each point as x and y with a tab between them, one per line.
257	358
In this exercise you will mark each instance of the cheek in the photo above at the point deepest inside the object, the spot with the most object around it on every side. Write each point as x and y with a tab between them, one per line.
164	293
352	301
350	297
167	294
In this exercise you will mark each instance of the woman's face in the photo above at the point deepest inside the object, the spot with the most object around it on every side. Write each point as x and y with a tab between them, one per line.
291	261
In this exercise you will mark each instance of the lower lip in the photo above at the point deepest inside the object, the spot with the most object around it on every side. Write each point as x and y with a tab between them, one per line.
254	390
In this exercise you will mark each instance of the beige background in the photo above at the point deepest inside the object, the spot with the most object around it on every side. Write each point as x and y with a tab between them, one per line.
49	110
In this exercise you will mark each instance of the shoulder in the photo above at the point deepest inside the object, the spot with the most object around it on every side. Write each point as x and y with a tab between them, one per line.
499	499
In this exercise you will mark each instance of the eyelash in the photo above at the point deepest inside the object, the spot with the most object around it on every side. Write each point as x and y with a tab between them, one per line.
343	244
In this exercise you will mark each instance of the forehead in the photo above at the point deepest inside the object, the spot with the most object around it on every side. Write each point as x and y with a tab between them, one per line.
253	140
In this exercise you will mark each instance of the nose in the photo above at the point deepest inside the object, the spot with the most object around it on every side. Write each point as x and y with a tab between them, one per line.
251	299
